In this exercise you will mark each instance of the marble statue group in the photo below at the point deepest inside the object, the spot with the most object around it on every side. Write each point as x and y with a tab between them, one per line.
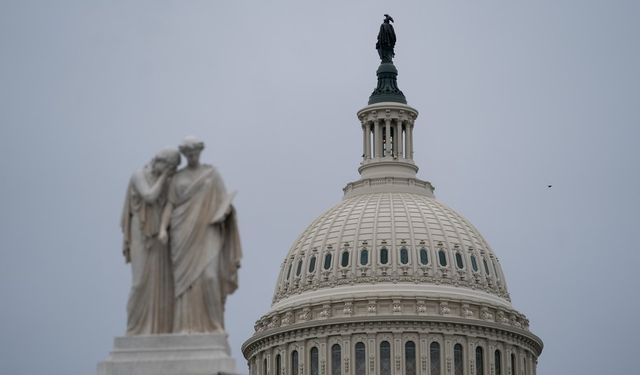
181	238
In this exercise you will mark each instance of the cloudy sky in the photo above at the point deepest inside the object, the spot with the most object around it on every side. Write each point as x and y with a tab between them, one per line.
513	96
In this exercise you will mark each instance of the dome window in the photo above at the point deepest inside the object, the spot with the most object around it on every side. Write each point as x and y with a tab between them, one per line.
278	364
434	355
442	258
314	361
410	358
361	359
486	266
364	257
404	255
289	271
384	256
385	358
336	358
498	362
474	263
294	362
312	264
299	268
424	256
344	259
264	366
479	361
458	360
459	262
327	261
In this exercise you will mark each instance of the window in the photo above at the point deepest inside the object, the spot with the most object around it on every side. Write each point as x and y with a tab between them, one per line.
384	256
314	361
486	266
496	268
364	257
294	362
434	358
289	271
474	263
278	365
514	368
327	261
299	268
479	361
498	362
264	366
404	255
459	262
336	359
344	261
410	358
385	358
442	258
424	256
312	264
458	360
361	359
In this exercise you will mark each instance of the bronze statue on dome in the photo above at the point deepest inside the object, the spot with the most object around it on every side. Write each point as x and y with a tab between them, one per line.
386	40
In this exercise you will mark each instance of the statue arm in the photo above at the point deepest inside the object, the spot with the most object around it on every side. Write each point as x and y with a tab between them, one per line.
148	193
164	222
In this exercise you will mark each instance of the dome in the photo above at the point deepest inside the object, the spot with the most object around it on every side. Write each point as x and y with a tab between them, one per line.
409	240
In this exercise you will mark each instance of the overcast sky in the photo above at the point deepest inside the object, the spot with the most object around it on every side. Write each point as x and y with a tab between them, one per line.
513	96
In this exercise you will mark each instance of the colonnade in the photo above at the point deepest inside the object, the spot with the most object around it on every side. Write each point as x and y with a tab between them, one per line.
382	138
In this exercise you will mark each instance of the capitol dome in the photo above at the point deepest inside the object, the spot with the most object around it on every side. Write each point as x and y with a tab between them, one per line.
390	280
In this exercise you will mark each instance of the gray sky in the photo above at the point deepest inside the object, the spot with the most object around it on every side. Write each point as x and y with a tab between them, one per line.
513	96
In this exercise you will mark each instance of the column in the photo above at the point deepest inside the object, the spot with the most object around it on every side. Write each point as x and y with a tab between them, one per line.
387	123
399	140
365	143
377	135
409	150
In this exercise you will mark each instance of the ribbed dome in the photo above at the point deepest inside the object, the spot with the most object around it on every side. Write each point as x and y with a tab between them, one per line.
390	237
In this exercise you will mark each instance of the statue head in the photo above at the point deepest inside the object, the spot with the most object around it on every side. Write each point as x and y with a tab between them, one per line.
191	148
166	159
388	18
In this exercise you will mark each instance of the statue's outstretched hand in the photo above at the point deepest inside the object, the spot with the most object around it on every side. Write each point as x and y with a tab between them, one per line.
163	236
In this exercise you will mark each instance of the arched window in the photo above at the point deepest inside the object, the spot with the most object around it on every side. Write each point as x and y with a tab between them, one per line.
294	363
384	256
364	257
327	261
264	366
385	358
278	365
299	268
498	362
434	358
344	261
312	264
479	361
486	266
459	262
424	256
410	358
474	263
524	366
314	361
289	271
336	359
496	268
458	360
404	255
361	359
514	367
442	258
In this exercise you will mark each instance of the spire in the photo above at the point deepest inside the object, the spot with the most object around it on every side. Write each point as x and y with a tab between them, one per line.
387	132
387	89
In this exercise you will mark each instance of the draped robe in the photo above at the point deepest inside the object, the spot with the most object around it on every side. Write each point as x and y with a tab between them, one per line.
205	249
150	307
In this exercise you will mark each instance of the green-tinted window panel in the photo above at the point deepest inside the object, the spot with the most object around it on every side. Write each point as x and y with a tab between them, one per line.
442	258
299	268
459	262
404	255
364	257
424	256
327	261
344	261
312	264
384	256
474	263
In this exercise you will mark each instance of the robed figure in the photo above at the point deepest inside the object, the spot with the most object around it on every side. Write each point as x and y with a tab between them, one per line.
150	307
204	242
386	40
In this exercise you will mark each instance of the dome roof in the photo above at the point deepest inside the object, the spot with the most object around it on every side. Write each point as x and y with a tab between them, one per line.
404	239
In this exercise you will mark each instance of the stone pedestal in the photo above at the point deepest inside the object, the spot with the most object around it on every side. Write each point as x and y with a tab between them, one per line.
171	354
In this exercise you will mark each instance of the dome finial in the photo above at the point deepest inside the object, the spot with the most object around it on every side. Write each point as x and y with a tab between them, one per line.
387	89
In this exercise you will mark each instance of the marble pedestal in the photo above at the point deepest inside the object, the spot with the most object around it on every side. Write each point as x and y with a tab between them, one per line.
171	354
